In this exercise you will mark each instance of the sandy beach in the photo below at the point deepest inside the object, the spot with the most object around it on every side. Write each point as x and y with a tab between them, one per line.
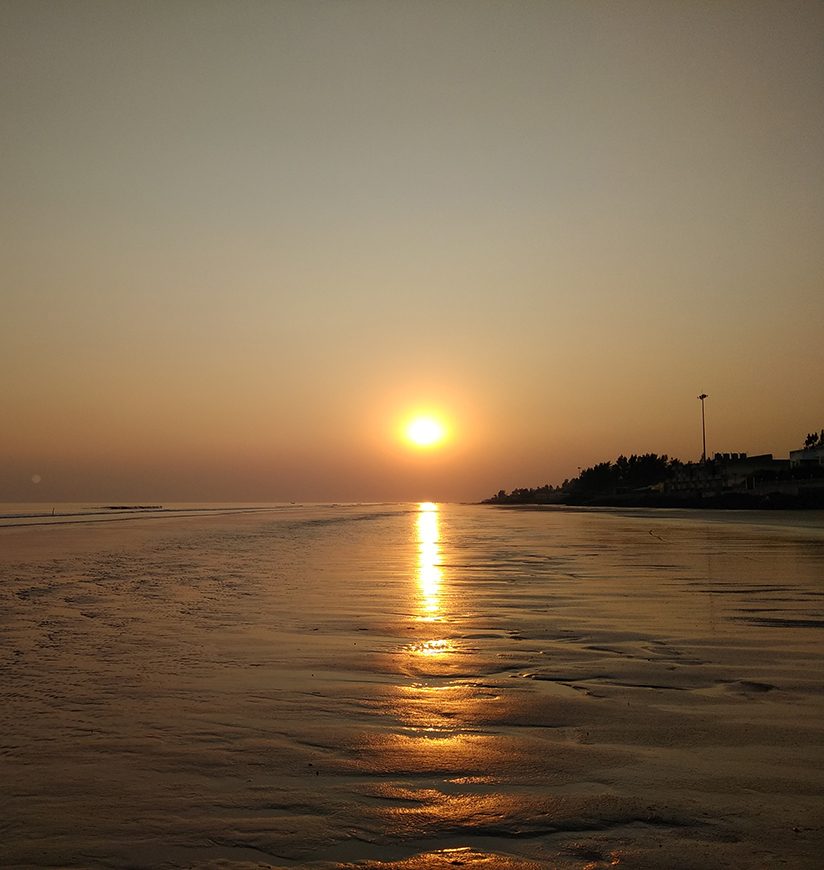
413	686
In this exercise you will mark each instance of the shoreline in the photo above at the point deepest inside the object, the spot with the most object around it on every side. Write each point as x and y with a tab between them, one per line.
812	500
785	518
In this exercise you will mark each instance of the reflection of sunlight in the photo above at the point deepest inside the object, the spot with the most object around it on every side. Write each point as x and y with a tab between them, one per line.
432	647
429	710
429	569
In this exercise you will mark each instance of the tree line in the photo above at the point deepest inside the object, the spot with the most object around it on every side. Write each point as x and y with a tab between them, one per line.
814	439
638	478
626	473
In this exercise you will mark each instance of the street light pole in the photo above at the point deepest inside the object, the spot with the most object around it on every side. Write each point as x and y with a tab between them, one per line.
703	428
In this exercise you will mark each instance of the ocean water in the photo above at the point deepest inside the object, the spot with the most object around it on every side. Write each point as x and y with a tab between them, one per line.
410	686
40	513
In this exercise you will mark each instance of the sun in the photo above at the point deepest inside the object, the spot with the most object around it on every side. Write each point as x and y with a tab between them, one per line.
425	431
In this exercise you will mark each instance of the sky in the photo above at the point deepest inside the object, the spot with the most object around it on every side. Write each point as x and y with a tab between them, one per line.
243	242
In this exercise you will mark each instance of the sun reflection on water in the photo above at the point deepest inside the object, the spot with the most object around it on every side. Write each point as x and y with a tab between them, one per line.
430	574
432	647
428	594
435	733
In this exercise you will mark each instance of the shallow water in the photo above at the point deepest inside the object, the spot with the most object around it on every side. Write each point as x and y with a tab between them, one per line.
416	685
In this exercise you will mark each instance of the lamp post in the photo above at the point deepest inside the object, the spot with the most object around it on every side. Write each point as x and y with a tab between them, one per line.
703	428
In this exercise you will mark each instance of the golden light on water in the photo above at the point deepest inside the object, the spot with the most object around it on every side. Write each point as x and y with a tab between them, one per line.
432	647
429	581
428	708
430	574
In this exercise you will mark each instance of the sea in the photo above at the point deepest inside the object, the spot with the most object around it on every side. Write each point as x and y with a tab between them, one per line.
410	686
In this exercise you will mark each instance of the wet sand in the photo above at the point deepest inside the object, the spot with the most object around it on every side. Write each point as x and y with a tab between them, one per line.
404	687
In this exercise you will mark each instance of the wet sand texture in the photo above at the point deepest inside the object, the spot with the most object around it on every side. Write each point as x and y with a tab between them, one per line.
395	687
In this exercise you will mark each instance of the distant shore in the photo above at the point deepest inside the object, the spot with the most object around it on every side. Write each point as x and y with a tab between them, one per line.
786	518
811	500
728	481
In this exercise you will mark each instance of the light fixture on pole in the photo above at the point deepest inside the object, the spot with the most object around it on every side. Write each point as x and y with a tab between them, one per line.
703	429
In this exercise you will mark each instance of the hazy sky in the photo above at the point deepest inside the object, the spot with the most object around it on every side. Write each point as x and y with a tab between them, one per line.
242	240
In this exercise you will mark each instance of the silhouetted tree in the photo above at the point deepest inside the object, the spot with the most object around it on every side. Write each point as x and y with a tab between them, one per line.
632	480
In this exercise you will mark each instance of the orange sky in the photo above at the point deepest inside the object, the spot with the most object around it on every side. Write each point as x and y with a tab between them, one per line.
242	241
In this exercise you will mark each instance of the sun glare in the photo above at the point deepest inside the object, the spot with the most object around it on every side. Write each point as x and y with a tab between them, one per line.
425	431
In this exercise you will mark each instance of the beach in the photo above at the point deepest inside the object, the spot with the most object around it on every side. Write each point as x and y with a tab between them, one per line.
411	686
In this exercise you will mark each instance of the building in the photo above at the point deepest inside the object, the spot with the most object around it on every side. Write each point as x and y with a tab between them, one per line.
807	457
729	473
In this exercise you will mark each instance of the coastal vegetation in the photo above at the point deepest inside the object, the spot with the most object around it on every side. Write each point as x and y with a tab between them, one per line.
625	474
732	480
814	439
